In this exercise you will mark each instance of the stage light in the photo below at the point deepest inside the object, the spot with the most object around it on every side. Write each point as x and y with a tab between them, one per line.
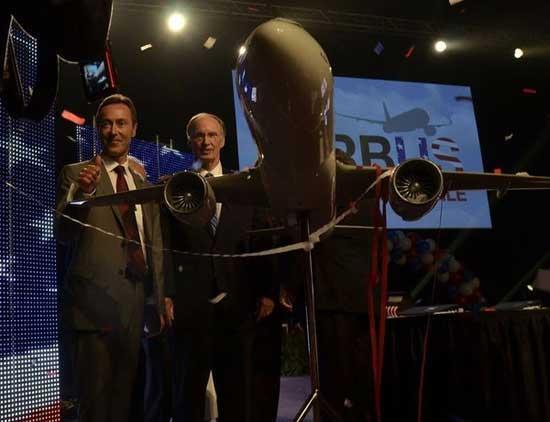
440	46
242	50
146	47
530	287
518	53
209	43
176	22
71	117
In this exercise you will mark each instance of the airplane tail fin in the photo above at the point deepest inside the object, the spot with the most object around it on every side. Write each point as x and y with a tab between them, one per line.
386	113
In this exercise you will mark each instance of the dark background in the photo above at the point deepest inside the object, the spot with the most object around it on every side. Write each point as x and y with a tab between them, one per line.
178	77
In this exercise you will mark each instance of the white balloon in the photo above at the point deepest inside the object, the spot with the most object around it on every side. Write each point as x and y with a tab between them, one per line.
443	277
466	289
405	243
454	265
402	260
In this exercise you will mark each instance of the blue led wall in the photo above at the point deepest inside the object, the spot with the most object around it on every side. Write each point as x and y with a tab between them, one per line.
158	159
29	369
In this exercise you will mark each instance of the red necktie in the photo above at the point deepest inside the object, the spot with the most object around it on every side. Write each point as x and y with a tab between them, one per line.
135	261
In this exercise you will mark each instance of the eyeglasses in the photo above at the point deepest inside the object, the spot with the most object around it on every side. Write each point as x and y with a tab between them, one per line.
199	136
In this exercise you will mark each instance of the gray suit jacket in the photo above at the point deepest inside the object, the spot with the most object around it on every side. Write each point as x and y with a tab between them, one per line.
97	295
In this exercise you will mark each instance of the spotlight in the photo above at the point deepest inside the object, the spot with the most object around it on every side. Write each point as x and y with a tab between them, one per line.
242	50
176	22
529	287
518	53
440	46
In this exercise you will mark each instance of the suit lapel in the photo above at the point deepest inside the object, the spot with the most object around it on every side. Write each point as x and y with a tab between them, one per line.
223	214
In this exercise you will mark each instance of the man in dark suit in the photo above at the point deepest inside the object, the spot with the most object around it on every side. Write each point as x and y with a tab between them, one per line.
215	300
108	277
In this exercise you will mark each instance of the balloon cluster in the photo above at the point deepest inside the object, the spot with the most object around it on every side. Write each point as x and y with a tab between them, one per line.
422	256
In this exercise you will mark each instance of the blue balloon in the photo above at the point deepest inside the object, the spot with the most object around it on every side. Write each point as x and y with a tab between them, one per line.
422	247
451	290
393	236
396	254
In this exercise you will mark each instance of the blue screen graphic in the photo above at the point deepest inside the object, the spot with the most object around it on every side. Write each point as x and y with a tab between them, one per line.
158	160
386	122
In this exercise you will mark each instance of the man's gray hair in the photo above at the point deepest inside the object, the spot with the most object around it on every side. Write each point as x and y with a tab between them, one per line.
193	120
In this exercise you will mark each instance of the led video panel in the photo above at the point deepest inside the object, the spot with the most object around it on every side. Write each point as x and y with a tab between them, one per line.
29	361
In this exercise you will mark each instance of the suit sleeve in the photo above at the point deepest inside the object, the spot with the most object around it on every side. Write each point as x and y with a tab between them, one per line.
159	268
67	191
168	260
263	269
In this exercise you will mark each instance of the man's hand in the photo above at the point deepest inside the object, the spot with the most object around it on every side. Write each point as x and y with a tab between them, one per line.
265	308
169	310
90	175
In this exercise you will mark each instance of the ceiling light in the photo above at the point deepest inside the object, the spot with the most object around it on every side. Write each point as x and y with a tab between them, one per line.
518	53
209	43
440	46
176	22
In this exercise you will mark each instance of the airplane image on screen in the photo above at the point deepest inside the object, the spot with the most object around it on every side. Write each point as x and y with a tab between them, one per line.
290	115
408	121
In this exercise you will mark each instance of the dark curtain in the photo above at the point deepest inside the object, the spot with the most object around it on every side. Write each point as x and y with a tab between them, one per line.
484	367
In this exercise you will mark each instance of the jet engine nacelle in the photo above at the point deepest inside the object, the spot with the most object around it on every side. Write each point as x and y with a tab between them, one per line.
190	199
415	187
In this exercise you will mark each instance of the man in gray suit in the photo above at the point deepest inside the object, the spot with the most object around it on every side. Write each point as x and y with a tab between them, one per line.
108	278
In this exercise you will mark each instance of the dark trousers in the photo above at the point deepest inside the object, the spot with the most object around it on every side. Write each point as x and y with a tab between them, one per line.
106	365
266	369
214	342
345	365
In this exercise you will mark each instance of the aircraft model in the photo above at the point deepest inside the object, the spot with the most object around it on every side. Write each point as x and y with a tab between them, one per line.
408	121
284	81
290	114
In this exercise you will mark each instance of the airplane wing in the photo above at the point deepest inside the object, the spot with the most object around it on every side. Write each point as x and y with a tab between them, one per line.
363	119
241	188
493	181
138	196
352	181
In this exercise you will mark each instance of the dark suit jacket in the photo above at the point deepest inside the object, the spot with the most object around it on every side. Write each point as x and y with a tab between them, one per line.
342	264
193	280
97	295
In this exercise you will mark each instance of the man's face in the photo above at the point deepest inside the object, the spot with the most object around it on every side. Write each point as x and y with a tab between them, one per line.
116	130
207	139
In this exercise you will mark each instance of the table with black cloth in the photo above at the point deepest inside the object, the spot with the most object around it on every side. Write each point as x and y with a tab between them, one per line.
480	367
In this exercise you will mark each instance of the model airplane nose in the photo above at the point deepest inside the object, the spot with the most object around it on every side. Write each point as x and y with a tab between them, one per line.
285	85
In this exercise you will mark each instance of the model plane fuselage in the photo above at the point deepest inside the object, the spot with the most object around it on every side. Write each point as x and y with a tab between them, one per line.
285	84
284	81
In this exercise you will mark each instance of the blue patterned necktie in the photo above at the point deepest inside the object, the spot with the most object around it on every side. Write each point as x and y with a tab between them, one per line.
214	220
